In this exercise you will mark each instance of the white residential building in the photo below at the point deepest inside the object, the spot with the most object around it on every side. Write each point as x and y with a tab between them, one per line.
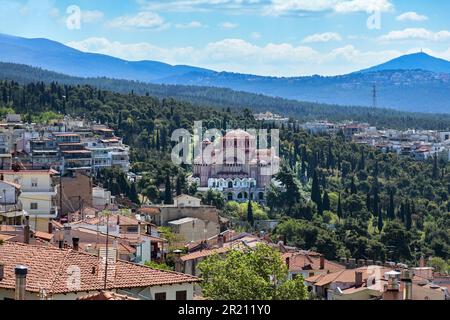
38	195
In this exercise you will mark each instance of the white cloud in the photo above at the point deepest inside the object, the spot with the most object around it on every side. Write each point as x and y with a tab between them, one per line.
200	5
323	37
416	34
142	20
237	55
228	25
88	16
132	51
279	7
411	16
190	25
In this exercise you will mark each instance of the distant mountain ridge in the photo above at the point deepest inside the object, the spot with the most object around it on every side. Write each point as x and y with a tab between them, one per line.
54	56
415	61
416	82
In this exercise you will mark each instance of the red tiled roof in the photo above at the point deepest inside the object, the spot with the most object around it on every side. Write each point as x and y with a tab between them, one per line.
49	269
204	253
43	235
309	260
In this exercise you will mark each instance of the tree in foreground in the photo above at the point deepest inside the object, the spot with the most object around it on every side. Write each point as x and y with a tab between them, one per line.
258	274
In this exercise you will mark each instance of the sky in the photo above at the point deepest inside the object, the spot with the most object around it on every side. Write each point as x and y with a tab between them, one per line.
263	37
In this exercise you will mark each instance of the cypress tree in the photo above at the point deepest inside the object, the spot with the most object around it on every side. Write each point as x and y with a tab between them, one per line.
380	220
250	217
168	191
339	208
315	190
353	189
391	210
326	201
368	202
376	200
408	217
134	197
435	167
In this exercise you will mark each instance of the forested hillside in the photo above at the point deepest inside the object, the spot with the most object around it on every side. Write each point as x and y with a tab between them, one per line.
226	98
341	199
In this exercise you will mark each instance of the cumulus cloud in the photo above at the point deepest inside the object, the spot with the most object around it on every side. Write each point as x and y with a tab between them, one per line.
228	25
416	34
200	5
91	16
142	20
411	16
279	7
323	37
238	55
190	25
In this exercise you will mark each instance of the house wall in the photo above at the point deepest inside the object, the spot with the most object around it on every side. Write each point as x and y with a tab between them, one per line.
175	213
76	193
195	230
7	193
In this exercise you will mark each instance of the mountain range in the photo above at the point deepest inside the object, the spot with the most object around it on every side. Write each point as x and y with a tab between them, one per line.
416	82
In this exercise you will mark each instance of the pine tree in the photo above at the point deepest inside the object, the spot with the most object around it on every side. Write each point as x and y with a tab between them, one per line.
168	191
250	217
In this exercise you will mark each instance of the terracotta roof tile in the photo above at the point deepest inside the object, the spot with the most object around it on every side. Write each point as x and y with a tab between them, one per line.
50	268
204	253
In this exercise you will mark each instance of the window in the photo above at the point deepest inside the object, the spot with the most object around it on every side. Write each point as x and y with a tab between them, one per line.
34	183
33	206
181	295
160	296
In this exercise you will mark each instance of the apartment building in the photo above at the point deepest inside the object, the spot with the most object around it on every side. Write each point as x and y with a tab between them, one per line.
38	195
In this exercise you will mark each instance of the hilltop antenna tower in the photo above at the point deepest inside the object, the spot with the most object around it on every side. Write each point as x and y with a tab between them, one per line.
374	97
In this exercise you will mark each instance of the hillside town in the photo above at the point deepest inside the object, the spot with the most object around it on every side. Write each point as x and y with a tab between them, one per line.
419	145
63	238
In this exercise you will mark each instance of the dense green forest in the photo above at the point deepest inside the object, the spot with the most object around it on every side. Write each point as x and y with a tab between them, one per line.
225	98
341	199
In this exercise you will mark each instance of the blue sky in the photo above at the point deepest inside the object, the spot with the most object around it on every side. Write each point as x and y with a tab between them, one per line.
266	37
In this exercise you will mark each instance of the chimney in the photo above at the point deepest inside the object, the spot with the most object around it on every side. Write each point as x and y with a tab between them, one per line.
358	279
21	282
26	231
75	243
288	262
2	271
50	227
406	278
178	262
422	262
322	262
220	240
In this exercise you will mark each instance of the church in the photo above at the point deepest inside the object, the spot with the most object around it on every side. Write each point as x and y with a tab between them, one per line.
235	167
